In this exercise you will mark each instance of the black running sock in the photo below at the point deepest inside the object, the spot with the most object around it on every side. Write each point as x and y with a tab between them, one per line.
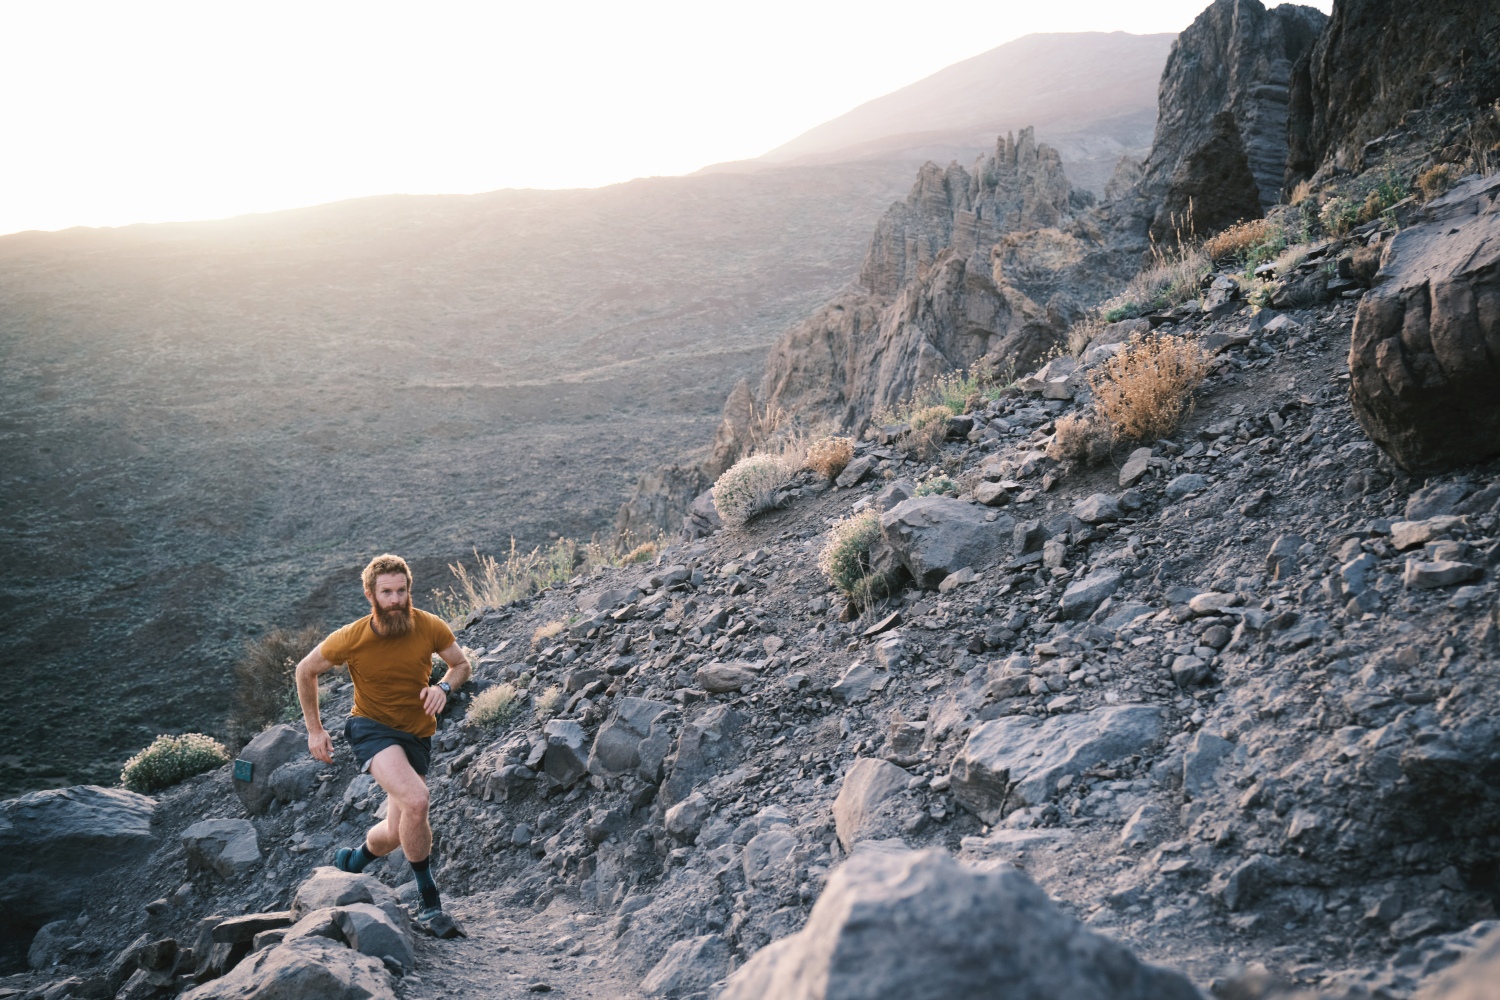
425	885
362	856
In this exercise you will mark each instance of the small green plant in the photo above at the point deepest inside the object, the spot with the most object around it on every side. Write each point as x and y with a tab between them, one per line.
845	560
493	707
548	703
1389	188
172	759
1339	215
937	486
749	487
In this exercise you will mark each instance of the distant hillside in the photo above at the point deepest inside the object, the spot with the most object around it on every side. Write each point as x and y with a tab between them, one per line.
1092	95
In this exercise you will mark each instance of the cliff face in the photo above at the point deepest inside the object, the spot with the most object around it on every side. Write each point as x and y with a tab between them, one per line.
1379	59
1236	58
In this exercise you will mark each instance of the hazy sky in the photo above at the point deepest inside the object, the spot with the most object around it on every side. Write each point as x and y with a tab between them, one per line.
144	112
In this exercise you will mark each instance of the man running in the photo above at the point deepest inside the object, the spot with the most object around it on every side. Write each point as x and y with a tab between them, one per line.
389	653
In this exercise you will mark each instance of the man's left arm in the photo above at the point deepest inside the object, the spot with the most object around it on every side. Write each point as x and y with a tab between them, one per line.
434	699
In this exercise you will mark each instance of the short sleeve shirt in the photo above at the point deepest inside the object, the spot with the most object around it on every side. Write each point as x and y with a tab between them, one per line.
389	673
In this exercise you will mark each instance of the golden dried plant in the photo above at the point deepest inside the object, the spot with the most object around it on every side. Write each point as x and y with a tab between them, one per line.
1145	392
828	456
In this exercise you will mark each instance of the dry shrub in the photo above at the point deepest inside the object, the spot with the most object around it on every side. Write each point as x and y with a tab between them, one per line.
828	456
1146	391
1302	192
929	429
1435	181
1173	277
1081	437
1081	334
551	630
749	487
1238	239
547	704
264	688
493	707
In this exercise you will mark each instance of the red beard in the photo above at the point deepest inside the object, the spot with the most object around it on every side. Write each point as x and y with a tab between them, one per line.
392	623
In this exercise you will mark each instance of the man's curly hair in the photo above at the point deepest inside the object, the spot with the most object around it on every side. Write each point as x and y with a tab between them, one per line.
381	564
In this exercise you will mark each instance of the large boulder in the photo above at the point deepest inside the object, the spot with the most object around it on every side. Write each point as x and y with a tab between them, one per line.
276	746
57	842
310	968
327	887
931	537
1016	761
920	926
870	802
1473	978
618	746
1424	360
708	745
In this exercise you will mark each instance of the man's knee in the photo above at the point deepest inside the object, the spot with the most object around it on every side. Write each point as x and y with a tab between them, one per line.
414	801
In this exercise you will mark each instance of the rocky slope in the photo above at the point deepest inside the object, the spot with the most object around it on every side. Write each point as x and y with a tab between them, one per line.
1229	704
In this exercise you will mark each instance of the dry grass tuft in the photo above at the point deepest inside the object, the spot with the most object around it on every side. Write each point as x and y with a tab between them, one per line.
1302	193
547	704
828	456
493	707
1146	391
1081	437
265	685
929	429
750	487
1237	241
1082	333
1436	181
551	630
496	582
1173	277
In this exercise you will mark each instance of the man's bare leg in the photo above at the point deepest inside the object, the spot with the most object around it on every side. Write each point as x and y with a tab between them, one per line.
405	824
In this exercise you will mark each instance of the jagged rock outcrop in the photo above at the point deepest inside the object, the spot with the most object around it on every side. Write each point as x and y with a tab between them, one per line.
733	435
1424	368
991	264
659	498
1378	60
1236	57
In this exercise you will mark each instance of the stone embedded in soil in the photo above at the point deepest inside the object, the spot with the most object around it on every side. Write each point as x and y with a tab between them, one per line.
689	967
271	749
1018	760
1083	597
922	926
932	537
723	678
224	846
1097	509
1443	573
308	969
869	801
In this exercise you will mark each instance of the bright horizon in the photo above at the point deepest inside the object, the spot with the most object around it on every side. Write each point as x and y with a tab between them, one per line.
157	112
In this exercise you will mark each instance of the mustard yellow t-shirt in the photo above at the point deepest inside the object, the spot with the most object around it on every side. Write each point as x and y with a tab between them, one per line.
390	673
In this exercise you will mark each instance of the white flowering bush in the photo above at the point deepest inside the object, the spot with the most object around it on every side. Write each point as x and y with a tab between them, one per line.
171	759
748	487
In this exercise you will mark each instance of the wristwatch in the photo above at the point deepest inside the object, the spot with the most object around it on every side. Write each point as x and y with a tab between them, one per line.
447	688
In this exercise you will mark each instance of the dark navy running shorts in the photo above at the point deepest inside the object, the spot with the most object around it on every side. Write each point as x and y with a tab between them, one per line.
368	737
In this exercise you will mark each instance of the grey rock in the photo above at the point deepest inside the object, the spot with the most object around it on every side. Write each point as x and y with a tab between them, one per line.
869	803
897	492
1016	761
855	685
276	746
565	760
1135	467
1188	482
327	888
296	780
709	744
688	968
371	931
617	747
57	842
1439	498
768	857
1249	882
1201	763
311	968
1473	978
993	494
224	846
1443	573
722	678
921	926
932	537
1409	534
1358	573
606	600
1137	831
1281	561
1084	596
52	944
1189	671
684	820
855	471
1097	509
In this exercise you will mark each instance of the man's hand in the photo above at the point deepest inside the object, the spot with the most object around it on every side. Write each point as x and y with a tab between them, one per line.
320	745
433	700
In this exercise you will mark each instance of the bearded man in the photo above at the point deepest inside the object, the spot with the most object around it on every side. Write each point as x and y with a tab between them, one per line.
389	653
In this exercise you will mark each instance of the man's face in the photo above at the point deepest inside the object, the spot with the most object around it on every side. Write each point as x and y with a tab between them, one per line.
391	603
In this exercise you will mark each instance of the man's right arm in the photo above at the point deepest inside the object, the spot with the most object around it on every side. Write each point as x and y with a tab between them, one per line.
313	666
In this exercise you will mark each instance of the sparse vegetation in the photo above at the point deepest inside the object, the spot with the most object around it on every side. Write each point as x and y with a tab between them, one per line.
1436	180
845	560
1146	391
496	582
1174	277
929	429
1338	215
937	486
958	392
548	631
1082	333
1236	242
172	759
1081	437
494	707
1302	193
264	690
1389	188
547	704
828	456
750	487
